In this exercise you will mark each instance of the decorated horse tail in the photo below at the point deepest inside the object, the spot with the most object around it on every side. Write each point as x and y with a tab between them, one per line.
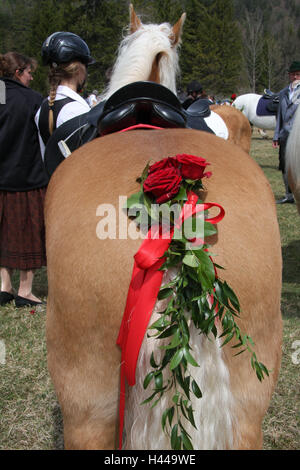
293	158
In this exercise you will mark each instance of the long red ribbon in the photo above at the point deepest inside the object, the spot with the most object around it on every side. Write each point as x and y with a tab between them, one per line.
142	294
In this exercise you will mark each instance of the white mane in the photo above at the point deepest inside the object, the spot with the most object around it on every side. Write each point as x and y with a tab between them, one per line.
136	54
293	157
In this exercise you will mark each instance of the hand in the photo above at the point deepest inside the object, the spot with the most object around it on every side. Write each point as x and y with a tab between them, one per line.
275	144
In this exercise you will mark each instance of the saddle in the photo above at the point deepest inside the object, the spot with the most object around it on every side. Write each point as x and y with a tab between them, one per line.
136	103
268	104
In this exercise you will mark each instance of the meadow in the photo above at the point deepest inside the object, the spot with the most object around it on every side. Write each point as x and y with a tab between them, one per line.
30	417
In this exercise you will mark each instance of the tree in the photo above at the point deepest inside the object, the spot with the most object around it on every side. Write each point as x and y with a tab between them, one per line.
253	45
192	51
222	58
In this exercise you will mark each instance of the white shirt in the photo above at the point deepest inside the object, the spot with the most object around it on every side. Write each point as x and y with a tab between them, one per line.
68	111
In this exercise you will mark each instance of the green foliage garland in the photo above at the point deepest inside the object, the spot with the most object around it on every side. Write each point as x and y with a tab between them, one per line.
196	295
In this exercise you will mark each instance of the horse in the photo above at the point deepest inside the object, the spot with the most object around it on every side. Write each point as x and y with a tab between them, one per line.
293	158
88	279
228	125
239	129
248	105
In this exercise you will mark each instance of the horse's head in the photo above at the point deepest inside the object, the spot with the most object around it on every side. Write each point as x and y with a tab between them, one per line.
147	53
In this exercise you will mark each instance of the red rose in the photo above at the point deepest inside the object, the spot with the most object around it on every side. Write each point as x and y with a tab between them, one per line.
169	162
192	167
163	183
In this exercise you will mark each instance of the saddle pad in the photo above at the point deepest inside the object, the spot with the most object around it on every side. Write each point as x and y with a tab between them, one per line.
264	109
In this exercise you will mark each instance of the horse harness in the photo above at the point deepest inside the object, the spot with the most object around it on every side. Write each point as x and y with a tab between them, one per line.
137	103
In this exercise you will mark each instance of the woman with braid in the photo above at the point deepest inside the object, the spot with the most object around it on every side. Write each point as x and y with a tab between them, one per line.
23	181
68	57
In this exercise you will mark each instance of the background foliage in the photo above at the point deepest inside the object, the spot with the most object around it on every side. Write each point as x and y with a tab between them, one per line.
228	45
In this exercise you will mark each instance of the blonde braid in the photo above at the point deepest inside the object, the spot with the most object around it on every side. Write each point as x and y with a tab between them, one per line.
55	77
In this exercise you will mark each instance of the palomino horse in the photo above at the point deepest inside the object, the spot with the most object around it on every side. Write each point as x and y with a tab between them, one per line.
248	105
89	277
136	62
293	158
239	129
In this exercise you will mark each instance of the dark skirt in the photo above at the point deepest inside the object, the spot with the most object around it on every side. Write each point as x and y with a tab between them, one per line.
22	229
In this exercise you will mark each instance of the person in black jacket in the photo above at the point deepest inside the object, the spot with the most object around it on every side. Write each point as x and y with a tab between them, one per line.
23	181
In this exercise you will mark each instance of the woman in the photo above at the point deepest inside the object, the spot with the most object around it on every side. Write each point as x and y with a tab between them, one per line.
68	57
23	181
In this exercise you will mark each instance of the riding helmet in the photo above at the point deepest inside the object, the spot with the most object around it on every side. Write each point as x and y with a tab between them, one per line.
62	47
194	86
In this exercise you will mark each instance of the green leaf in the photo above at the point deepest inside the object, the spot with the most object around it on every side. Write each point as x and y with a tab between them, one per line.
175	439
164	293
176	340
196	390
152	361
209	229
134	200
177	358
190	358
148	379
187	445
232	297
191	260
158	378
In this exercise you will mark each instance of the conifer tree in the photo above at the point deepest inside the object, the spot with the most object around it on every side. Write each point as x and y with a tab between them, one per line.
192	49
222	58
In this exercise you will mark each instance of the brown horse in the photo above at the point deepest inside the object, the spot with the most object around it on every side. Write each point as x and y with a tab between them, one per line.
89	275
239	129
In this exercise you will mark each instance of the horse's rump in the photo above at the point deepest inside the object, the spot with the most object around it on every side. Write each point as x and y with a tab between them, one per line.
238	126
89	277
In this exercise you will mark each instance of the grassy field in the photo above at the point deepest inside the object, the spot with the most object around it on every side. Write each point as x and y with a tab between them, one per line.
29	413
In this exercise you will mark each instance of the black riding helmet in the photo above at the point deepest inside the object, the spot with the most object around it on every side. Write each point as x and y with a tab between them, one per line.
194	86
62	47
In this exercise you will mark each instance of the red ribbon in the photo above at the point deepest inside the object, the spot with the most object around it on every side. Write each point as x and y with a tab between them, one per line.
142	294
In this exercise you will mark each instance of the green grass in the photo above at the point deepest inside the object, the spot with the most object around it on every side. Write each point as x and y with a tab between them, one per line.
30	416
282	422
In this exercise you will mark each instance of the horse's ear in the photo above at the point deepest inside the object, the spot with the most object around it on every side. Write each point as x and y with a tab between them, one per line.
135	22
177	29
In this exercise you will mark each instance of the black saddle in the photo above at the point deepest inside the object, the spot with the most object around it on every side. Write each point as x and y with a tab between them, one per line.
272	101
141	102
196	113
137	103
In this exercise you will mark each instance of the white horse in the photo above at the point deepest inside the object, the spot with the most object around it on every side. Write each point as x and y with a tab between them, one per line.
293	158
248	104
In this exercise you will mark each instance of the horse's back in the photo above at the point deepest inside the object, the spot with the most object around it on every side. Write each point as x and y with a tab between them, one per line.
248	104
238	125
89	276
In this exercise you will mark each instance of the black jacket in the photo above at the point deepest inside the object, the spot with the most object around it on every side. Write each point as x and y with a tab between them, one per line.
21	166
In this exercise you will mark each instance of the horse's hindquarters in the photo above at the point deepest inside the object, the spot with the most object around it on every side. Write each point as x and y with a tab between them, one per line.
89	274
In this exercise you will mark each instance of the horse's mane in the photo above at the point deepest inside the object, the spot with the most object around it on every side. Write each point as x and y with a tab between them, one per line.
136	54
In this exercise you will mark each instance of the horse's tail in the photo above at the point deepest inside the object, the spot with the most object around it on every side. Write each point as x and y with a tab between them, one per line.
293	158
214	412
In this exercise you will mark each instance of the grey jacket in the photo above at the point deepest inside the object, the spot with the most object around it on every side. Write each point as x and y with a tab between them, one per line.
285	114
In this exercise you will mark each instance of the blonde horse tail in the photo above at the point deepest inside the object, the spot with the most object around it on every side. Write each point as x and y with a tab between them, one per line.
293	158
